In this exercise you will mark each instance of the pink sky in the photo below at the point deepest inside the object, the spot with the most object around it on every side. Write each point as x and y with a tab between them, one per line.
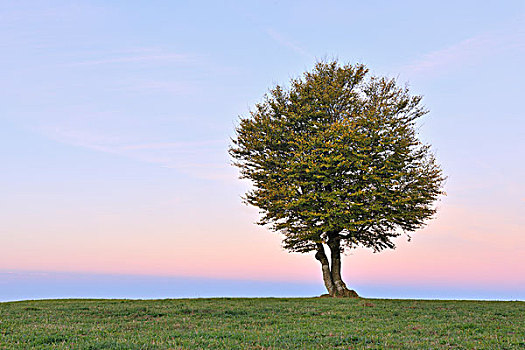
457	247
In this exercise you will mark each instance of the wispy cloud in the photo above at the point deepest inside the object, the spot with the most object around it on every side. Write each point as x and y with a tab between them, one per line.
286	42
449	56
469	51
172	145
257	22
141	58
38	11
154	86
201	158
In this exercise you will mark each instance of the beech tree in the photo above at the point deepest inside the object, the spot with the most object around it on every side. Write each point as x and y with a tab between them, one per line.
335	162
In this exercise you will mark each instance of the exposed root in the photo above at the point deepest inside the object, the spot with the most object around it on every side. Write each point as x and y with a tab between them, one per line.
348	293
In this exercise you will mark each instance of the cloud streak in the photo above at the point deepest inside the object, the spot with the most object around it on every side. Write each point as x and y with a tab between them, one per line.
172	145
202	158
469	51
169	57
281	39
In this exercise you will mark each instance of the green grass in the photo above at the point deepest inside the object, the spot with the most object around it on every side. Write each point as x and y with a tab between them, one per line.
310	323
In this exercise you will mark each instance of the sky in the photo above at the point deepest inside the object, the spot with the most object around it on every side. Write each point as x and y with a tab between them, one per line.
115	120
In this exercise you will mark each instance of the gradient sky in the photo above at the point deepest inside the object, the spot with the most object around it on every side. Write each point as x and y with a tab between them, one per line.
116	118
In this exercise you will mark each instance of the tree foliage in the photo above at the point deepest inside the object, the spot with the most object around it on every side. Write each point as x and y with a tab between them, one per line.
335	159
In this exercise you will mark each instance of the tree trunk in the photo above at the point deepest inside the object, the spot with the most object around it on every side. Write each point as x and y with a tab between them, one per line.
325	266
332	271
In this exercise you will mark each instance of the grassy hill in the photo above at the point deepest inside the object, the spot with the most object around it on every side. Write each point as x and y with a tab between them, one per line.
296	323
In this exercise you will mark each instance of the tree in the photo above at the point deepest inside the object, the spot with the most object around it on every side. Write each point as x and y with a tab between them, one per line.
335	161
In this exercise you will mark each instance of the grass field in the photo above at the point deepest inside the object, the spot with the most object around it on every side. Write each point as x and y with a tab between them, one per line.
297	323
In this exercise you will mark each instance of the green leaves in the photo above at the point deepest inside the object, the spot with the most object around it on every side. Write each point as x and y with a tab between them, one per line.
338	151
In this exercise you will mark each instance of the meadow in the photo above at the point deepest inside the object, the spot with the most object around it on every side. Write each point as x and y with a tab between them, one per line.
262	323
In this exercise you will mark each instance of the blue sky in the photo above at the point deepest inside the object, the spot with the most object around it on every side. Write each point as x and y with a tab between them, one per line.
116	118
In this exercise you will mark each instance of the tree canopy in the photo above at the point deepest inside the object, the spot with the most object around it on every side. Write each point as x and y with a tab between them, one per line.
335	160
